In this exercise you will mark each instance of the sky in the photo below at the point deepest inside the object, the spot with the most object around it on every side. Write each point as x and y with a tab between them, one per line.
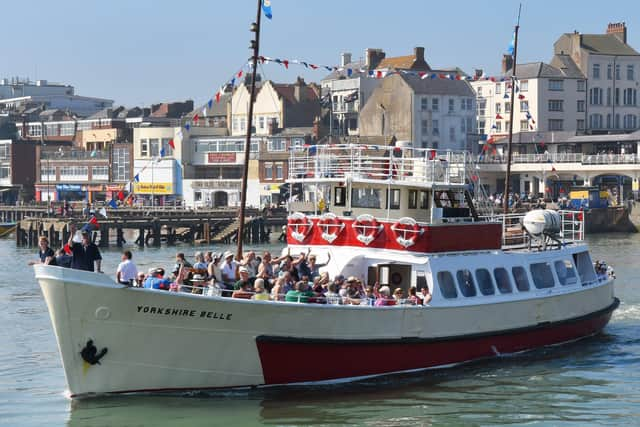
149	51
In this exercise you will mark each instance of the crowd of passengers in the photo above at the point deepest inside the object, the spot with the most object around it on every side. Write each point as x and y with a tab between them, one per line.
286	278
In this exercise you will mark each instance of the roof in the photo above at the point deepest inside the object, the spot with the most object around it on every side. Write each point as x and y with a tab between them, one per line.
355	68
535	70
605	44
438	86
567	66
286	91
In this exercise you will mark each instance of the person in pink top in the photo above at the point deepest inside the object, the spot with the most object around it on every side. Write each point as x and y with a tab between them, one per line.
383	296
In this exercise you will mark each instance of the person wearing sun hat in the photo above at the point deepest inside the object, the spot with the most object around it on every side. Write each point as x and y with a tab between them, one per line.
228	268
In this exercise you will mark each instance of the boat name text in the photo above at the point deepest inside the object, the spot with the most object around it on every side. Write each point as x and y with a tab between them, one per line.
170	311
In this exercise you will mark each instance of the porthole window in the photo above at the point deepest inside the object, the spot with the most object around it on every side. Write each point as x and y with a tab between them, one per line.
465	283
447	285
502	280
520	276
484	282
542	275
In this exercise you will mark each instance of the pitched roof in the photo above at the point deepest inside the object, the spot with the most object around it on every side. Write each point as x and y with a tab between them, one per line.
438	86
401	62
286	91
568	67
606	44
535	70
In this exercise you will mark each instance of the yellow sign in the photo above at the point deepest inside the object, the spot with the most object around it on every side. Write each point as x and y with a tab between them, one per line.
155	188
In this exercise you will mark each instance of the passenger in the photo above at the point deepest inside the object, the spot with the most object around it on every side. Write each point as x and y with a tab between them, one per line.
208	257
301	264
244	279
260	293
314	267
369	296
354	290
265	269
289	283
277	291
398	295
332	296
127	270
318	292
301	293
323	280
180	260
155	280
63	259
213	270
244	292
383	297
45	253
199	264
426	295
139	282
85	254
179	284
198	282
251	264
228	270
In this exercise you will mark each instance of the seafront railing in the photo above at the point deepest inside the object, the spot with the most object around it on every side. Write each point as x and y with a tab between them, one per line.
585	159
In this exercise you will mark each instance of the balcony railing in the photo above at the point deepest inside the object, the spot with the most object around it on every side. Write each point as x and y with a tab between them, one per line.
74	155
585	159
371	163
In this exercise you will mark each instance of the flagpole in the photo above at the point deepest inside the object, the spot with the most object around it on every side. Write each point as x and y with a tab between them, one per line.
507	181
255	44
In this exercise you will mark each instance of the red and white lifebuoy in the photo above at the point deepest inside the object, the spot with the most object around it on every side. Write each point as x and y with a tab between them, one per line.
407	231
330	227
300	226
367	228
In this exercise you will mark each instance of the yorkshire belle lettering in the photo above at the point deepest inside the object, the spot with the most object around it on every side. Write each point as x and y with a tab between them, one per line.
182	312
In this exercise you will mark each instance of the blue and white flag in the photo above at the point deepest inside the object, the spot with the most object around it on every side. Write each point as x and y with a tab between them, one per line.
137	177
512	44
113	204
266	8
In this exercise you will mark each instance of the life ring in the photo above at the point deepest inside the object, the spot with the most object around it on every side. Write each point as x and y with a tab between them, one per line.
407	231
367	228
330	227
300	226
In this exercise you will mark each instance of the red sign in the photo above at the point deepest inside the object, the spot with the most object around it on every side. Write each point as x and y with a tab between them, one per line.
221	157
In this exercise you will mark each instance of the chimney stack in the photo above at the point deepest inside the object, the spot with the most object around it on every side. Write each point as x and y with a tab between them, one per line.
298	89
345	59
618	29
373	57
507	63
478	72
418	53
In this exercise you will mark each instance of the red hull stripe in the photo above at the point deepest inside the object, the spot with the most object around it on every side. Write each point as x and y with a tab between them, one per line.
290	360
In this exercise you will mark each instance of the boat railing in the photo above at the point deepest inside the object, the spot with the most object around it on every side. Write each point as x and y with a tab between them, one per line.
378	163
514	235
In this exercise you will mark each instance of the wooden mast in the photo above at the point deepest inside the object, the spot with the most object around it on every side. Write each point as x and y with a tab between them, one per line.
255	44
507	181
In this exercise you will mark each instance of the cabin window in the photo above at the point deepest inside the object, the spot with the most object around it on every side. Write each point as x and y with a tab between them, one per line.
542	275
424	199
365	198
465	283
484	282
421	280
585	267
412	200
502	280
566	273
393	198
340	198
447	285
520	276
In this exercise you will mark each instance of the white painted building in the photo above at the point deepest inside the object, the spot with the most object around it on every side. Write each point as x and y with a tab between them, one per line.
16	88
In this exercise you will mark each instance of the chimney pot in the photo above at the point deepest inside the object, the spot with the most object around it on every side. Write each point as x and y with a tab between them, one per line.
619	30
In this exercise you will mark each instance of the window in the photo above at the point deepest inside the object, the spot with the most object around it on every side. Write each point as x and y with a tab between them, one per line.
5	172
452	134
154	147
412	200
447	285
585	267
555	105
617	96
524	85
144	147
425	127
436	129
279	170
47	173
507	107
465	283
463	104
556	124
277	144
100	173
630	121
261	122
484	282
608	96
424	103
482	107
74	173
498	127
521	279
502	280
630	75
268	170
365	198
424	199
480	91
556	85
595	96
609	73
498	88
498	108
452	105
434	104
482	124
5	150
566	273
524	106
121	164
617	71
580	124
542	275
340	196
629	96
580	106
393	198
581	86
463	126
595	121
469	104
524	125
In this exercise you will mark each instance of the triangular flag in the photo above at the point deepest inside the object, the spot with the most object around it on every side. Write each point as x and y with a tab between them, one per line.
349	72
93	153
204	112
67	249
179	134
498	117
113	204
94	221
210	103
553	169
217	99
187	127
285	63
103	212
196	118
120	197
521	96
162	152
239	73
137	177
172	144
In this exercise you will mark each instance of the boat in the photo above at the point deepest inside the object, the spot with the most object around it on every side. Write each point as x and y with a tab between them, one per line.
399	216
7	228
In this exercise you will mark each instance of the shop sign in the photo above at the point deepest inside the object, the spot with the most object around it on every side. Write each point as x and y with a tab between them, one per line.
221	157
153	188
